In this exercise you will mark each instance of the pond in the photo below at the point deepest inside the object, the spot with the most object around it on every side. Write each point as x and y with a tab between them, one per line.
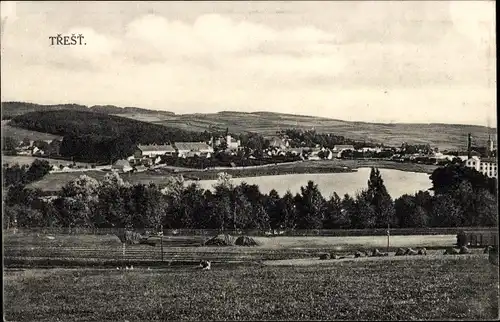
397	182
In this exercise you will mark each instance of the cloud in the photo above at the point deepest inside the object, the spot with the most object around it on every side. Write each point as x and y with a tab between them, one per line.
214	62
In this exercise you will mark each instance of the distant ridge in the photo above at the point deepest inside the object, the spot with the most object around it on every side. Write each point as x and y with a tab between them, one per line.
442	135
12	109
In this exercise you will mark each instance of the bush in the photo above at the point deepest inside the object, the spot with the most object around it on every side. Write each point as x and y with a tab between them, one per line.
462	239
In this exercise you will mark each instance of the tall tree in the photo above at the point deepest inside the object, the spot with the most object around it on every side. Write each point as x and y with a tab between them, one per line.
364	215
335	218
37	170
445	212
311	206
78	200
380	200
409	214
273	209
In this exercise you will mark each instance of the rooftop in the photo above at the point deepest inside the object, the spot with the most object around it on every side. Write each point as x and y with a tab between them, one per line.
193	146
147	148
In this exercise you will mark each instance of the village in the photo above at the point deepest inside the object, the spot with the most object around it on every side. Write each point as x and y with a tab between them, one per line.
278	150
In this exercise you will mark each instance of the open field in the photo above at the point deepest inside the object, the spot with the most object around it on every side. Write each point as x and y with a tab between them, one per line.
413	289
444	136
24	159
45	250
19	134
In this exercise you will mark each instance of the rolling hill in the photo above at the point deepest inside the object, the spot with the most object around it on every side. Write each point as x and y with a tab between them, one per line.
13	109
444	136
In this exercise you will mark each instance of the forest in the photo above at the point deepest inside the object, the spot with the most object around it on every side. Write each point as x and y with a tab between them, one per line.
98	137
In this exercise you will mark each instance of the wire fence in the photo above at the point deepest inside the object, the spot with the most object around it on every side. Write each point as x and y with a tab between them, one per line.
269	233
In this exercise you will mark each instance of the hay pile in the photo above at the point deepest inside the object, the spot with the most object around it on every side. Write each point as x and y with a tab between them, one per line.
245	241
220	240
359	254
334	256
129	237
411	252
451	251
324	256
464	250
134	238
400	252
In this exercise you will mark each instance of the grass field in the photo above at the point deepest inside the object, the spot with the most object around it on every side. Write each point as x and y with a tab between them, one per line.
43	250
24	159
444	136
414	289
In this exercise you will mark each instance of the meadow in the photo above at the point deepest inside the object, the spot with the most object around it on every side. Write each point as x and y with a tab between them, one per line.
444	136
28	160
29	249
414	289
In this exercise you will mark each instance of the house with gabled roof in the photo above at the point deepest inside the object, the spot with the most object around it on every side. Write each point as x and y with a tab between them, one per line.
154	150
190	149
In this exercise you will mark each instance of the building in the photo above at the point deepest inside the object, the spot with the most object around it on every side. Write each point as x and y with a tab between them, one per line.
279	143
487	166
376	150
154	150
340	148
121	166
232	144
190	149
489	147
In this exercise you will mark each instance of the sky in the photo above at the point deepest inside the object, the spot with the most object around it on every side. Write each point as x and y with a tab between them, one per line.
409	62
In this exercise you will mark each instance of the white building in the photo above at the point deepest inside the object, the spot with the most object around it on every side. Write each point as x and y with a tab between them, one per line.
487	167
152	151
190	149
121	166
231	143
338	149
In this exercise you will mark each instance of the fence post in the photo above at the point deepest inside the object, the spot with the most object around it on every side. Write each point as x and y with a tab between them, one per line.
161	242
123	252
388	236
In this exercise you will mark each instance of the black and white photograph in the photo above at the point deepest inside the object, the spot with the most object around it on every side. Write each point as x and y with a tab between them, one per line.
249	161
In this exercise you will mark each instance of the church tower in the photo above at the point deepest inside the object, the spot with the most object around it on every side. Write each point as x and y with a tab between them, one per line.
489	147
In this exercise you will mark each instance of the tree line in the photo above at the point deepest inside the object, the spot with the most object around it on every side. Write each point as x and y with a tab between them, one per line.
460	198
16	174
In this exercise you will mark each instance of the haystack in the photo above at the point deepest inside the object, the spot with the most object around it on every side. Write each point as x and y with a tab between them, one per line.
358	254
451	251
245	241
129	237
411	252
334	256
400	252
324	256
220	240
464	250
